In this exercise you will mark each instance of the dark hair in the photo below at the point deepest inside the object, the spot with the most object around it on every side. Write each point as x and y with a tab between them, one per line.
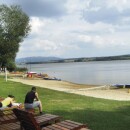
33	88
11	96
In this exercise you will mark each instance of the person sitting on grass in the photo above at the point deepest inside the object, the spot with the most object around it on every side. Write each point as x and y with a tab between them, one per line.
7	102
32	100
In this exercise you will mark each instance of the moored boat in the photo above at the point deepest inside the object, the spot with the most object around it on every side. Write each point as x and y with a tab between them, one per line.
122	85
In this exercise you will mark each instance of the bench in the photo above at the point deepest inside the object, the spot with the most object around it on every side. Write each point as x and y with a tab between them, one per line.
43	119
7	115
14	124
8	119
29	122
66	125
10	126
8	110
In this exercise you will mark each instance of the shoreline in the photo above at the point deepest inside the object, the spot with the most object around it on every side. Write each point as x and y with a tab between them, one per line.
53	84
86	90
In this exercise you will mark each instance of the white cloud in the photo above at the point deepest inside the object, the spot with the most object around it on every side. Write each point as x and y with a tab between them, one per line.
75	6
36	24
119	4
85	38
76	28
109	11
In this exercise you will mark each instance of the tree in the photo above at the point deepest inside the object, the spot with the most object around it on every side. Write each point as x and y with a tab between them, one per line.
14	27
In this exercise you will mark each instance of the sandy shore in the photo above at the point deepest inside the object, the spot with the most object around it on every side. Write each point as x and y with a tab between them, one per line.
86	90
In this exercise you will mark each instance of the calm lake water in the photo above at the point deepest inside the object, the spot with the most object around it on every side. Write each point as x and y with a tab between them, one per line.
96	72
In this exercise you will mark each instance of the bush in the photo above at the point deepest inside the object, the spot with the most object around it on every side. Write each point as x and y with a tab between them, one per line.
11	66
23	69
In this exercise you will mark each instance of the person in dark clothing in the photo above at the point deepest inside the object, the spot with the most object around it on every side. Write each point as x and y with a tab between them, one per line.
32	100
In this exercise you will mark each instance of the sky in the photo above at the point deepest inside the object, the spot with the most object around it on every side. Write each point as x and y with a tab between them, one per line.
75	28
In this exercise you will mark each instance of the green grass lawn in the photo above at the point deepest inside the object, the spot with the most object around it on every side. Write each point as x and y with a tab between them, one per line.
99	114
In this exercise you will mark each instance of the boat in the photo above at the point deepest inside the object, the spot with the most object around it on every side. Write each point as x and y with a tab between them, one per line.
122	85
127	86
54	78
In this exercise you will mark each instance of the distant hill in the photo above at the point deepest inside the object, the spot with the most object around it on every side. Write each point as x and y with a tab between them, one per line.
103	58
38	59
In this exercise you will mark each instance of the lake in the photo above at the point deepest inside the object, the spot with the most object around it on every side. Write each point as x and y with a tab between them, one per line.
95	72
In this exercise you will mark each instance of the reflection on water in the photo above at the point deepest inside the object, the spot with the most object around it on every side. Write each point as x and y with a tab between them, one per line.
99	72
